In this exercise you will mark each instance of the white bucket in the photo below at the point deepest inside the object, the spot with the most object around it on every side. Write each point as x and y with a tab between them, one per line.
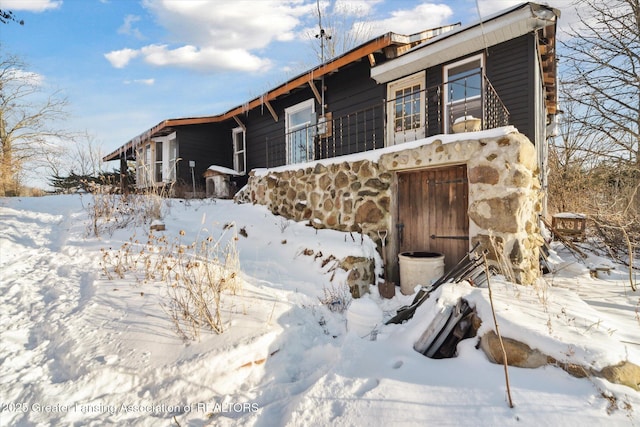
419	268
364	316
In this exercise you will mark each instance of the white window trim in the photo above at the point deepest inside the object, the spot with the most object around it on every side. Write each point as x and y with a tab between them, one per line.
172	158
158	165
445	79
392	87
169	168
241	169
309	103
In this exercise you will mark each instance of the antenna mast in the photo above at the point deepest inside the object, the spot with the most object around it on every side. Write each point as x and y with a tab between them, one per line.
322	36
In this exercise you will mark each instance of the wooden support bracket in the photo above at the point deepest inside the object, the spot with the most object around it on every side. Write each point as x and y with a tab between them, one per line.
271	110
314	89
244	128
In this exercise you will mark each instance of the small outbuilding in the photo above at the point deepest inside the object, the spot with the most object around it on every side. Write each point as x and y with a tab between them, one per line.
219	183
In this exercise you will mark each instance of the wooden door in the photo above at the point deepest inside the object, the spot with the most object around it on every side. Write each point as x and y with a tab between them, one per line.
433	212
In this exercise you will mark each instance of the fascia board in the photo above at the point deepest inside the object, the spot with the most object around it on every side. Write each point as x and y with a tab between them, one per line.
459	43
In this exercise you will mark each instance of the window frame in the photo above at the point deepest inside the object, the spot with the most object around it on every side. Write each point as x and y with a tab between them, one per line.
398	136
158	172
445	93
289	129
173	157
239	166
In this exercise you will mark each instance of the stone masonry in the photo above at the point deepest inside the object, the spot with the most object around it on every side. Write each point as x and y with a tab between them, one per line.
357	195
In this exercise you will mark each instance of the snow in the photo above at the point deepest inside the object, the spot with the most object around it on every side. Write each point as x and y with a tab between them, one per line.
374	155
223	170
78	348
569	215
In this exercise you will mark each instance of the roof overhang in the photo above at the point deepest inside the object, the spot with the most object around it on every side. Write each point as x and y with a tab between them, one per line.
506	25
391	44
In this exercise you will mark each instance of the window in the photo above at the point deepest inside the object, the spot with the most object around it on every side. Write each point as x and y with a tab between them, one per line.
173	158
146	166
300	131
158	165
406	109
463	90
239	158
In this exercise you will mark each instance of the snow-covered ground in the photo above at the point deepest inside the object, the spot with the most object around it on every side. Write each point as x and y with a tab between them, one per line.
77	348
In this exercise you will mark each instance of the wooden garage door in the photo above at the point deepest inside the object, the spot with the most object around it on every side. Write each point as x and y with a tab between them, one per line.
433	212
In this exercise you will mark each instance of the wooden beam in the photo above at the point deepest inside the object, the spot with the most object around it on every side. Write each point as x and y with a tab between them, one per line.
324	69
372	60
314	89
244	128
271	110
319	71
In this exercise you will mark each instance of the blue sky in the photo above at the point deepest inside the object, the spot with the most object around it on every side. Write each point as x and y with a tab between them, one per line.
126	65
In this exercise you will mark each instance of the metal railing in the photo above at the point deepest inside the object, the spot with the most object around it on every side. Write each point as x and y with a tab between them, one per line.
442	108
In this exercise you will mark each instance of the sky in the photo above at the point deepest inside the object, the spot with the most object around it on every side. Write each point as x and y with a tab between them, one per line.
127	65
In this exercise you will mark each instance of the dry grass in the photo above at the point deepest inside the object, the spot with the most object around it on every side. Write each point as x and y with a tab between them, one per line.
196	275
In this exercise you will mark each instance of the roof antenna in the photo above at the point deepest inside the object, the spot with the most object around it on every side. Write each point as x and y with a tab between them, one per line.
484	38
322	36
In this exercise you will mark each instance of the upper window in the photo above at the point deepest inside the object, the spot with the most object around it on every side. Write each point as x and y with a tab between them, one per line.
239	158
406	109
463	90
173	158
300	131
158	165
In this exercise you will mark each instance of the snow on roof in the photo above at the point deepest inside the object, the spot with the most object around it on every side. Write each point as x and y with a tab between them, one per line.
222	169
374	155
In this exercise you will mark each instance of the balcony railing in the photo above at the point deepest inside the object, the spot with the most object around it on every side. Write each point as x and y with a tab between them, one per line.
415	115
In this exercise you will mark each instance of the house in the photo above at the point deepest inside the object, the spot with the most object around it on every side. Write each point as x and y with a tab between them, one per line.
391	92
270	129
392	89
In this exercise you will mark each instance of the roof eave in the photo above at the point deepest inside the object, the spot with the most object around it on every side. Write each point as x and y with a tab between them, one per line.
514	22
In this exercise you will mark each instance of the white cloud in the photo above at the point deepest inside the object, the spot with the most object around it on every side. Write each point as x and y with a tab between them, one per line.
209	36
355	7
30	5
120	58
147	82
203	59
409	21
127	27
18	76
229	24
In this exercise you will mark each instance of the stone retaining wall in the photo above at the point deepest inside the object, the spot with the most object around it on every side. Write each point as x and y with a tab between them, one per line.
357	195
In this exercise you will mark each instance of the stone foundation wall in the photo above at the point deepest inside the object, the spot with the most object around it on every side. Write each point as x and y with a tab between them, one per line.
342	196
357	195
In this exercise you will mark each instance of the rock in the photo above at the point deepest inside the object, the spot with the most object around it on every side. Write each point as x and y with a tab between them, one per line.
518	354
523	356
484	175
368	212
625	373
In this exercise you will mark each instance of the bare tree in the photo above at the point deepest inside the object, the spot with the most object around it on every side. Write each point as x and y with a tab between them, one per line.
601	81
7	16
343	26
28	121
602	78
81	155
598	157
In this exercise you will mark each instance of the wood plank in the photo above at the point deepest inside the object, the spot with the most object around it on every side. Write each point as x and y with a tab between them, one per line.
271	110
314	89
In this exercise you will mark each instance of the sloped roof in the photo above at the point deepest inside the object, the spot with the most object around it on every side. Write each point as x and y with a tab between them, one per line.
400	41
494	29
